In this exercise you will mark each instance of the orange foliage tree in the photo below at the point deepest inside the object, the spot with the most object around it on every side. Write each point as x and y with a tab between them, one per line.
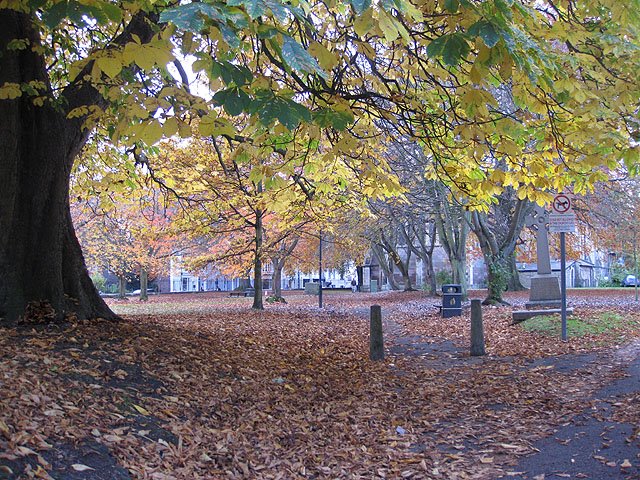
124	227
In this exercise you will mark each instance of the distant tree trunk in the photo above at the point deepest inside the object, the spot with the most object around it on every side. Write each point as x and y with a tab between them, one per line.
429	274
453	228
122	286
257	262
497	278
406	277
497	237
386	265
459	271
423	247
390	246
390	242
278	260
278	265
144	281
360	275
403	267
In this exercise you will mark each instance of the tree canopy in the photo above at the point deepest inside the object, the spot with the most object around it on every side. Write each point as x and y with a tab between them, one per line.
538	96
533	95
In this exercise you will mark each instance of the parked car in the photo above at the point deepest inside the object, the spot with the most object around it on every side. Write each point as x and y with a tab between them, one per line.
150	291
629	281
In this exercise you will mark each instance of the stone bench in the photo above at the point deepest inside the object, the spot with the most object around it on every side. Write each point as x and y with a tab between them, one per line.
246	293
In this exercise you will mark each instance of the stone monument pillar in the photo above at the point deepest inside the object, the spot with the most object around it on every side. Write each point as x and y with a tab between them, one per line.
545	288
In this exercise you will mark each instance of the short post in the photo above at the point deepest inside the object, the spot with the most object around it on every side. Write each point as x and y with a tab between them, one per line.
477	330
376	344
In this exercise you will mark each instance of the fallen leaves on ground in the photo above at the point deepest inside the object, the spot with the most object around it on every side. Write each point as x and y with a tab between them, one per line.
202	387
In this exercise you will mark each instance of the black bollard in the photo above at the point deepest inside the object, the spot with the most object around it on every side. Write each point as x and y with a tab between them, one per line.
477	330
376	344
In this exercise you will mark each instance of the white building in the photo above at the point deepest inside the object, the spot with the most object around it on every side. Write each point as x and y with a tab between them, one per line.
183	280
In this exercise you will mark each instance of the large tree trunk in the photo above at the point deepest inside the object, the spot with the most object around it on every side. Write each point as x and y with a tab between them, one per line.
40	258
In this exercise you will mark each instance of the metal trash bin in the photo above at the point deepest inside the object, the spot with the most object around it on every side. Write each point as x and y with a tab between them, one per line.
451	300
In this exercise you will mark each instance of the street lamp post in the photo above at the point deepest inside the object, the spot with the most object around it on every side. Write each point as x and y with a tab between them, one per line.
320	271
635	265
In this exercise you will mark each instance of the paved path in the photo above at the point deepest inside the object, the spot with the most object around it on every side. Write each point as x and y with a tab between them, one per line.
592	446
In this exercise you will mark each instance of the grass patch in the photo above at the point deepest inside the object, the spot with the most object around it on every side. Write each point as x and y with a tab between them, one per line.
175	308
551	325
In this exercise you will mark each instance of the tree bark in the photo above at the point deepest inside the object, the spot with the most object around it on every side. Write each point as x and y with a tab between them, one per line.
497	279
459	272
390	244
40	258
402	266
360	275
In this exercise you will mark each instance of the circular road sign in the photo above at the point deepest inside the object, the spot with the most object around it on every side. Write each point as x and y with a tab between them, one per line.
561	204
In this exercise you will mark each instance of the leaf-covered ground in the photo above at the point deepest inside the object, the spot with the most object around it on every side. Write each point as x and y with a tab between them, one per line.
200	386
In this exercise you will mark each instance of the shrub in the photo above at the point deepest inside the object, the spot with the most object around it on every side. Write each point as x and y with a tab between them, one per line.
443	277
99	282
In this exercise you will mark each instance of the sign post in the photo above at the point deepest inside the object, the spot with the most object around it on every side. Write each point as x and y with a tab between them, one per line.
562	220
563	286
